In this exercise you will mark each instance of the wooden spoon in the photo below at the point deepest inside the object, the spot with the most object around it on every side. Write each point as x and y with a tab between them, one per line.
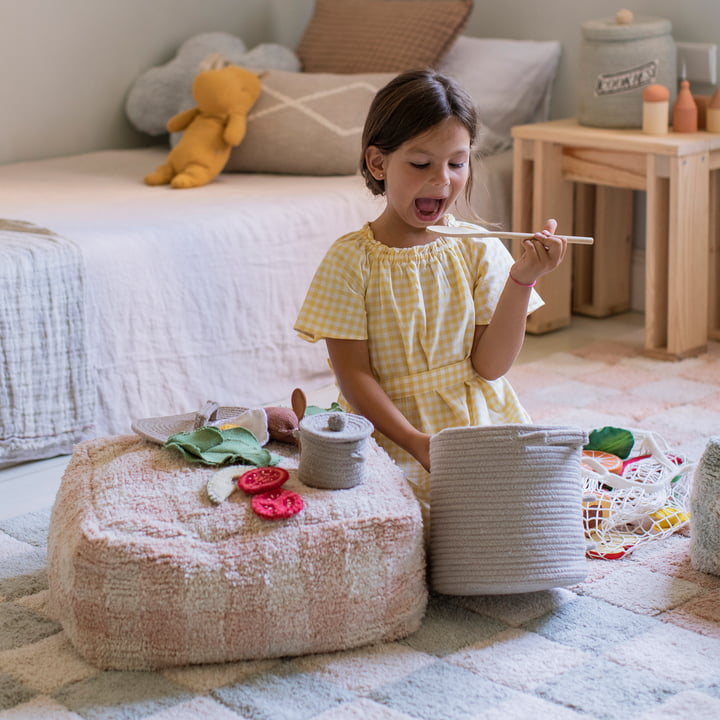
299	403
449	231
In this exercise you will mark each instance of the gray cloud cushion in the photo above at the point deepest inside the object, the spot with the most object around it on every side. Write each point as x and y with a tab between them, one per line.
162	91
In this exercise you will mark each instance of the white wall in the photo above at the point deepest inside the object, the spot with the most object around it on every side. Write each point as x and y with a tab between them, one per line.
66	65
692	21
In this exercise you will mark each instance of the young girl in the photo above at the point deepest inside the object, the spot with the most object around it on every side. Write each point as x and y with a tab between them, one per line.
421	329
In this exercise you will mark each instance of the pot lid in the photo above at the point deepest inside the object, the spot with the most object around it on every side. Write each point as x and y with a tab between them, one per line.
625	26
337	426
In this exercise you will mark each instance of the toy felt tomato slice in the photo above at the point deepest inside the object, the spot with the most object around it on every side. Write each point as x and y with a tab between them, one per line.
614	555
262	479
612	463
277	504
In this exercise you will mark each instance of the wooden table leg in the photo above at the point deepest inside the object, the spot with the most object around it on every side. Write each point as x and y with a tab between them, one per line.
601	272
656	271
676	293
547	195
714	258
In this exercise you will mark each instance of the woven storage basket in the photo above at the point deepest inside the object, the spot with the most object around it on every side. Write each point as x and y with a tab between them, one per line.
705	511
506	509
617	62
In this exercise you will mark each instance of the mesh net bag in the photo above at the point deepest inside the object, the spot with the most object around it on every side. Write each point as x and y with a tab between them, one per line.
626	502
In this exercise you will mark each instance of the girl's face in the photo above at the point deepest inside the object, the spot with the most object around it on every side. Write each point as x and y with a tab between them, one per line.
424	176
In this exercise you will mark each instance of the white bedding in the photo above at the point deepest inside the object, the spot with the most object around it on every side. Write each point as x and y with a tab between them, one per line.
42	324
192	293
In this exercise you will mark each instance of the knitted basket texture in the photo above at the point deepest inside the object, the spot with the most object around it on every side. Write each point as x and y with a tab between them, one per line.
705	511
506	509
333	457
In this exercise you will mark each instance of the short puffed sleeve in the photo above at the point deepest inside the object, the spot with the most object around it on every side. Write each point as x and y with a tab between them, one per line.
334	306
491	262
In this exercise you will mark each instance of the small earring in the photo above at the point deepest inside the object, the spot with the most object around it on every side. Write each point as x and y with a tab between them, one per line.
381	175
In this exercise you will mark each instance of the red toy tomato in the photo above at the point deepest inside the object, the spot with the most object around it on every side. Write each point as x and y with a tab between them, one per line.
262	479
277	504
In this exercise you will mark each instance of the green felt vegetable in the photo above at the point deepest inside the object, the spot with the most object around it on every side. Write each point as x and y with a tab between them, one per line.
314	409
617	441
212	446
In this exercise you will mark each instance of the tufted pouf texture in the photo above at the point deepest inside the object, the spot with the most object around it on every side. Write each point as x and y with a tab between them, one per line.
144	572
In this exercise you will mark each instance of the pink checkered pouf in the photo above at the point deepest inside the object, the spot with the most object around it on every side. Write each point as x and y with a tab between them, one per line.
145	572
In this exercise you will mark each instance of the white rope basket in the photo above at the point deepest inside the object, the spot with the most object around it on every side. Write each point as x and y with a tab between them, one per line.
649	499
506	509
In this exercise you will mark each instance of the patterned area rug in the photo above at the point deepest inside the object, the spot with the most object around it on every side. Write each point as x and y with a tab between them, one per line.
639	638
610	381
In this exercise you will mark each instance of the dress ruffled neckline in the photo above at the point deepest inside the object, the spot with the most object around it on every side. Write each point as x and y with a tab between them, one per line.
415	251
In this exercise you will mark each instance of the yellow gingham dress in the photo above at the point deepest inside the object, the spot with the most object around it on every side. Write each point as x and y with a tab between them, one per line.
417	308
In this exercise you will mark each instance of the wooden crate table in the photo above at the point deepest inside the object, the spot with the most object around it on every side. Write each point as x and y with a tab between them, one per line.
584	177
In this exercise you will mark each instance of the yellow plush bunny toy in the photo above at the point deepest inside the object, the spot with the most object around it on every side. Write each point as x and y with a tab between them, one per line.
224	95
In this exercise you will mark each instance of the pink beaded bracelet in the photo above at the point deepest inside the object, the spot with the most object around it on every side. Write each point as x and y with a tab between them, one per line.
528	285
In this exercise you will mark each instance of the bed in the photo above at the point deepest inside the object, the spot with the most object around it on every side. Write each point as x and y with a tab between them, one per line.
120	301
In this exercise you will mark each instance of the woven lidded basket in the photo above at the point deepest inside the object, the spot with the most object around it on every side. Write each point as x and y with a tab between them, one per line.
618	60
506	509
333	450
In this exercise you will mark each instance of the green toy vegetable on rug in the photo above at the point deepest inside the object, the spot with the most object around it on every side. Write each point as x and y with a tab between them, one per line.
617	441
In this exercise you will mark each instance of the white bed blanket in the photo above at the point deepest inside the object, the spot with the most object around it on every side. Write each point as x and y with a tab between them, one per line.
191	293
42	326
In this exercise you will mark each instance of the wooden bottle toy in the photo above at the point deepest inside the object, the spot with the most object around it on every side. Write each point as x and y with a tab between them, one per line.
685	112
712	116
656	109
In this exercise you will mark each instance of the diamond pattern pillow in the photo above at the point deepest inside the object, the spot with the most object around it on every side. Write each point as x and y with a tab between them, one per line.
307	123
351	36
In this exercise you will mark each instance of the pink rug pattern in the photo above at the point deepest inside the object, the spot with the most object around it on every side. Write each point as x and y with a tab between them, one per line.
614	383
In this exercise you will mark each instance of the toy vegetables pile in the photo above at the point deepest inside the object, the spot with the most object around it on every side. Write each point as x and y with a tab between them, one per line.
635	489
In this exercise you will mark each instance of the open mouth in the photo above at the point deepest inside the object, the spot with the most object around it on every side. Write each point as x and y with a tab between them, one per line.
428	208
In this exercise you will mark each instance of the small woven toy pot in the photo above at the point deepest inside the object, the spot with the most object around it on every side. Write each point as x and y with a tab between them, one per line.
333	450
506	509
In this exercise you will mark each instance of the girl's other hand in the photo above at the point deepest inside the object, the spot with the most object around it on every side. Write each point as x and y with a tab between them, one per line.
420	450
541	254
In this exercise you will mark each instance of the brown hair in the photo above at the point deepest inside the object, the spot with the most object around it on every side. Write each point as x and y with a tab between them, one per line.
410	104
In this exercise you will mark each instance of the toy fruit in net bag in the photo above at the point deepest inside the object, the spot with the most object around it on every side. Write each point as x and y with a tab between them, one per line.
596	508
645	498
609	461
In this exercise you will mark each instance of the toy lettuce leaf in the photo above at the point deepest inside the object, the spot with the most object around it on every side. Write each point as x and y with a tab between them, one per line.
314	409
617	441
212	446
